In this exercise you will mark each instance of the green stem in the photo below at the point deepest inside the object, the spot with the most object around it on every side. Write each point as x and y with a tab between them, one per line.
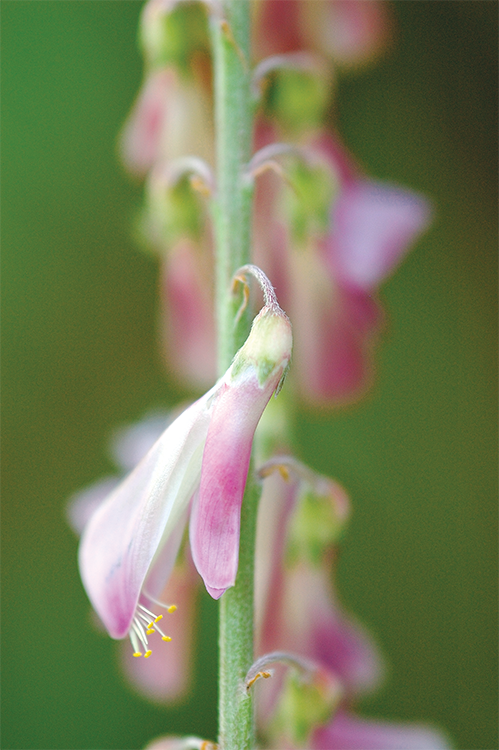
232	221
233	203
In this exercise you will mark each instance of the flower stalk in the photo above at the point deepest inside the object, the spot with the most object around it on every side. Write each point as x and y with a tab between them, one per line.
232	222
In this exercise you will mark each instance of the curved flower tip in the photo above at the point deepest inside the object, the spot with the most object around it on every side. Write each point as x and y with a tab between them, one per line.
347	732
374	225
255	374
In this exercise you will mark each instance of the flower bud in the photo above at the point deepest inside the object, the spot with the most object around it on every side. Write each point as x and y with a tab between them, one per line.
172	32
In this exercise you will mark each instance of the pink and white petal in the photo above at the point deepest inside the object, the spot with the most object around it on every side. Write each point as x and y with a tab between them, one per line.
124	534
215	517
166	677
348	732
374	225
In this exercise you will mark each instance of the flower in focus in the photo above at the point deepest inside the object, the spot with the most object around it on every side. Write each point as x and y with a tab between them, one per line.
129	545
166	677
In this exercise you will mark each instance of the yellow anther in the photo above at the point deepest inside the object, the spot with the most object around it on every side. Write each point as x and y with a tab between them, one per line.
137	653
159	617
172	608
166	638
258	675
147	654
151	630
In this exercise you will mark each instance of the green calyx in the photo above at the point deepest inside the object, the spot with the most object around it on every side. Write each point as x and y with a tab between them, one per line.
304	704
171	213
267	348
314	529
308	205
297	99
175	37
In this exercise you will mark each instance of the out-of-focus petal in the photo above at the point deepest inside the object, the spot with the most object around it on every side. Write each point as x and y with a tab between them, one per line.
348	732
124	534
373	226
129	444
351	32
170	118
188	329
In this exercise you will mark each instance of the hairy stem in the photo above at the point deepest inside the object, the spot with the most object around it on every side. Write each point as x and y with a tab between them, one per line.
232	222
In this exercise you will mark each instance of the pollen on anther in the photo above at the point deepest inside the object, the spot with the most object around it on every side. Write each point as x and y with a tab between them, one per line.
137	653
172	608
166	638
159	617
147	654
149	631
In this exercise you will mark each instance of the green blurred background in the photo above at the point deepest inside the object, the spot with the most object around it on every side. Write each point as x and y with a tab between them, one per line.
80	357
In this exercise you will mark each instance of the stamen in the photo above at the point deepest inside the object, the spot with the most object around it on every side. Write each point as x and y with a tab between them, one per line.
145	624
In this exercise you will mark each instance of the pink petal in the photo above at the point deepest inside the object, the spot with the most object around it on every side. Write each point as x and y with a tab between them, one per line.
351	733
316	626
352	31
374	225
215	516
247	387
142	132
124	534
187	319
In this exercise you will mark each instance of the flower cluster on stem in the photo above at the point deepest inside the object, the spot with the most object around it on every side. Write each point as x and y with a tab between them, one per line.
247	185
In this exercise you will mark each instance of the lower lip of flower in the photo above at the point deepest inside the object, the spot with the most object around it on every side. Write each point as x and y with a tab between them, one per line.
144	624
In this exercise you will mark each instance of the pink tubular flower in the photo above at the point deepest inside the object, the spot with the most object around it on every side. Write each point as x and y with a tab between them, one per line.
170	118
301	516
129	546
329	282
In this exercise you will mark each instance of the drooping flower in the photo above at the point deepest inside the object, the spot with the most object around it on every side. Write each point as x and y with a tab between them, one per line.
301	518
330	272
130	543
166	677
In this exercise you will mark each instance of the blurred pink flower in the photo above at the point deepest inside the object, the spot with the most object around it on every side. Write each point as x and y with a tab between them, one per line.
348	32
300	518
329	284
349	732
171	117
